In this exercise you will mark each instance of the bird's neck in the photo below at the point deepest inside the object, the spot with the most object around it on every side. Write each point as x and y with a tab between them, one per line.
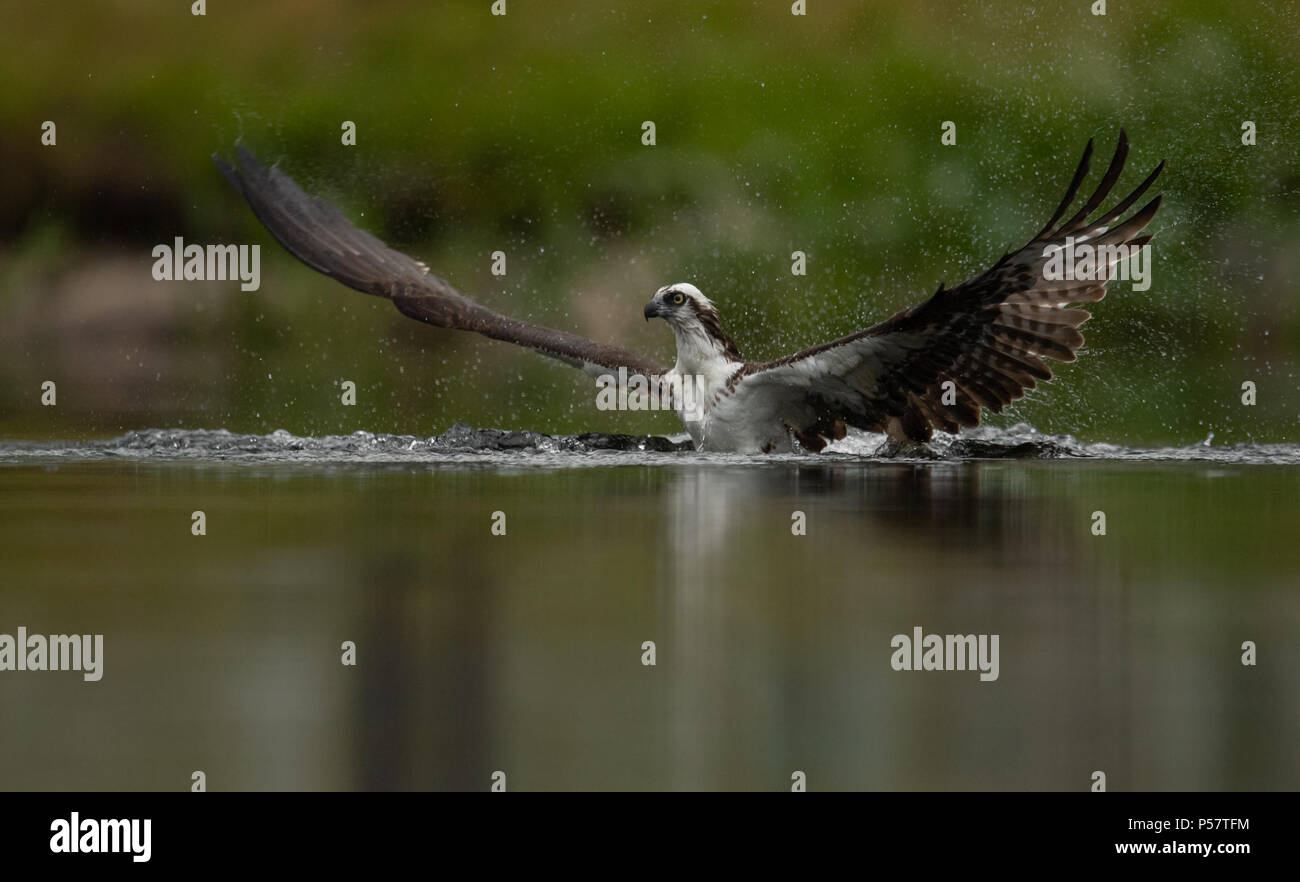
701	353
703	347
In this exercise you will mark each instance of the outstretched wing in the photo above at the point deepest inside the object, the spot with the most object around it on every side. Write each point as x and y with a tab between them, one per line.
318	234
989	337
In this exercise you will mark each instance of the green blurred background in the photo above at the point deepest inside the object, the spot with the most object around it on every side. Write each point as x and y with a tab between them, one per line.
523	133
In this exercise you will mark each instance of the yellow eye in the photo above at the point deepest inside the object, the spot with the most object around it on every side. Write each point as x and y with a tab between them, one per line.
679	298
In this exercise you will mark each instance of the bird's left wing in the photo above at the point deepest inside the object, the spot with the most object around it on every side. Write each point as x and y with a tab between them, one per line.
978	345
319	235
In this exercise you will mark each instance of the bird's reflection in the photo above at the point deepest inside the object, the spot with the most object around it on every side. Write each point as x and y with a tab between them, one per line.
733	633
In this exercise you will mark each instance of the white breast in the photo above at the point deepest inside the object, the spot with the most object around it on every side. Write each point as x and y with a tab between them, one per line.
727	422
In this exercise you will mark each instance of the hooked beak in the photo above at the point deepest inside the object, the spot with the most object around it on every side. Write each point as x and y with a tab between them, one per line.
651	310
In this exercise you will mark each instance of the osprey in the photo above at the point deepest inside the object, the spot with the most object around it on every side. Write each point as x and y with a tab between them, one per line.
979	345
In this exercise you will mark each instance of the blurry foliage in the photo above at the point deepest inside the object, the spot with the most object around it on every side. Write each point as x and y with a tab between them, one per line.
522	133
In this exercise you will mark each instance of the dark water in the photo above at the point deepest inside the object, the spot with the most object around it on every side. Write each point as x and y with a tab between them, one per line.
522	653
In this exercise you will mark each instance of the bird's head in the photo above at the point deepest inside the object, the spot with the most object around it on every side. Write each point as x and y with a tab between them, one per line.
678	304
693	318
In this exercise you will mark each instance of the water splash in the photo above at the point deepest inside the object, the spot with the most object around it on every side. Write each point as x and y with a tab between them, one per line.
465	444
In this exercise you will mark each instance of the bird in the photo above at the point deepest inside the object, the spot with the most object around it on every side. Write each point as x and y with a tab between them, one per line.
936	365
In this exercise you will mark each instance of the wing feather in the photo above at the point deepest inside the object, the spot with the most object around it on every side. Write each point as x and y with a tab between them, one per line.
977	346
319	235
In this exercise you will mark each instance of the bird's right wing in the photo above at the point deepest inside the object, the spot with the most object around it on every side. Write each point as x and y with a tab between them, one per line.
319	235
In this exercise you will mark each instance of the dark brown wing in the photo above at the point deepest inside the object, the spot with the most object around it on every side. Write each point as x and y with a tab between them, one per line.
318	234
989	337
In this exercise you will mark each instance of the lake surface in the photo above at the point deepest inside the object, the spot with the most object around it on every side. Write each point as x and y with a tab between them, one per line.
522	653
